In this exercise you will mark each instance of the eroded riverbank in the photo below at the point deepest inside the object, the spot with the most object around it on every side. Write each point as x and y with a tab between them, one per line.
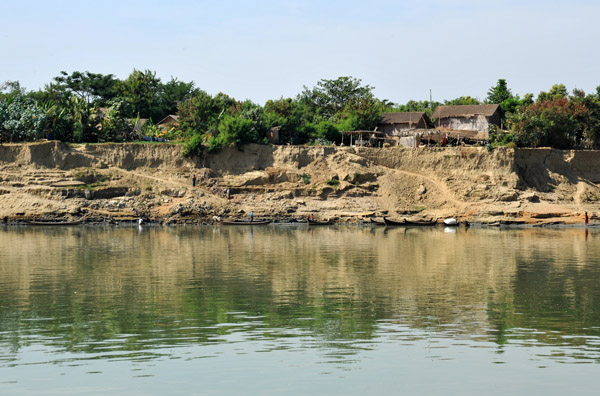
123	182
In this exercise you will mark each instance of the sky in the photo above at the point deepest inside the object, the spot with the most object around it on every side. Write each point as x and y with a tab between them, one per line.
261	50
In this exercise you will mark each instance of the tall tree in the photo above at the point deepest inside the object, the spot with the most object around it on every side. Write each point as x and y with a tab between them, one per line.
143	90
499	93
330	97
558	91
463	100
91	87
175	92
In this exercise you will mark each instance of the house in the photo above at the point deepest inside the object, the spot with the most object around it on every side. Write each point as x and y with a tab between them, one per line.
468	117
170	121
393	124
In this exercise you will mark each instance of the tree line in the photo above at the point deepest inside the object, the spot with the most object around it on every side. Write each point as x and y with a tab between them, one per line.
92	107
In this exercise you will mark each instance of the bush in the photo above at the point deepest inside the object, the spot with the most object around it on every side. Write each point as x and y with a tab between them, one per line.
21	120
334	181
233	131
215	144
193	146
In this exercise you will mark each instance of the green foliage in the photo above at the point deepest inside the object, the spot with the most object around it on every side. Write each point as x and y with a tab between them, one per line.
60	123
334	181
193	146
287	115
10	89
499	93
91	107
142	90
84	120
21	119
306	178
499	137
558	91
590	123
237	131
551	123
114	127
215	144
175	92
327	131
90	87
332	96
202	113
463	100
415	106
234	131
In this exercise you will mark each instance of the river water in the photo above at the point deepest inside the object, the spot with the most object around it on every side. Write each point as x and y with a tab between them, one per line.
273	310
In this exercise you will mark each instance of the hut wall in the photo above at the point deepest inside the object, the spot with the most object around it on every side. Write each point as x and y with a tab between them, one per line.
397	129
475	123
409	141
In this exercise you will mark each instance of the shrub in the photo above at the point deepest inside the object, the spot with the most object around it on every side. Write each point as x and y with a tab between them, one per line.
334	181
193	146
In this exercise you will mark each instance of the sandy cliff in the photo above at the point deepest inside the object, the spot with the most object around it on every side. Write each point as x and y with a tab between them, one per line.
120	182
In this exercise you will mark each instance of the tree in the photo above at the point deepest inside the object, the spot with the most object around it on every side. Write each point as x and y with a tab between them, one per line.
233	131
288	115
20	118
91	87
327	131
330	97
175	92
143	90
499	93
558	91
463	100
201	113
552	123
11	89
590	120
412	105
114	126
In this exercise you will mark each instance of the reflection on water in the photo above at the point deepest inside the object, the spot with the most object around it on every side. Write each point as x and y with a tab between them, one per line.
325	300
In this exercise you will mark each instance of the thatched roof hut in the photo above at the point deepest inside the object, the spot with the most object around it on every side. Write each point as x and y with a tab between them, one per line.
468	117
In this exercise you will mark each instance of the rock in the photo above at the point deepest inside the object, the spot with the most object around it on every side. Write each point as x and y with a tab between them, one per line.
421	190
68	183
531	197
133	192
507	196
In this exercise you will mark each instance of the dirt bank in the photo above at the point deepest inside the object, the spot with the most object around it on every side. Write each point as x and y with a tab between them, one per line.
123	182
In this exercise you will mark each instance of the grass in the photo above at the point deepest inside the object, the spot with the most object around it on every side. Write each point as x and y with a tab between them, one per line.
333	182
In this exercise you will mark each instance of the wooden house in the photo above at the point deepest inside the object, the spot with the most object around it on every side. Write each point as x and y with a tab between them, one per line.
468	117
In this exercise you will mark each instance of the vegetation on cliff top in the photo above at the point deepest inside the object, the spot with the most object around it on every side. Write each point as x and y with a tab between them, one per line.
90	107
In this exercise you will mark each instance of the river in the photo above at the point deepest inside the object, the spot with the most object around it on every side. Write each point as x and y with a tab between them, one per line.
271	310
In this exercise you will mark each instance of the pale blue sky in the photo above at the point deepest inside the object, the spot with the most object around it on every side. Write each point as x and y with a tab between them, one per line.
263	50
